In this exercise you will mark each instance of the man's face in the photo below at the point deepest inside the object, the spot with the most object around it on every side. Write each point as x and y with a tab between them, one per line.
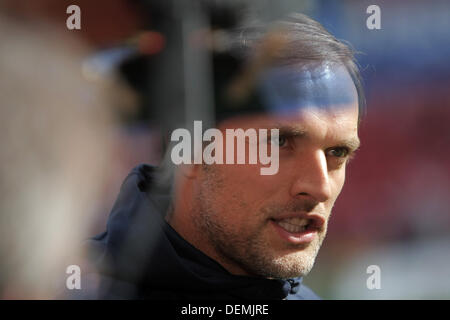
255	224
273	225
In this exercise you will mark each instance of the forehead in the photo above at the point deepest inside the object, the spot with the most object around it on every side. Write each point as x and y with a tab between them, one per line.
339	120
322	95
287	90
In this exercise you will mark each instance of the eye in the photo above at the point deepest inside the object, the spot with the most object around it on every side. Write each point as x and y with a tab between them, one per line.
338	152
281	141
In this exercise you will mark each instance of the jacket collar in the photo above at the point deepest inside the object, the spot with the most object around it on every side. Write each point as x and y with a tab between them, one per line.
143	249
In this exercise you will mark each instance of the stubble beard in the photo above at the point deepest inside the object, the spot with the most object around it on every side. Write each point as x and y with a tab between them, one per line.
250	251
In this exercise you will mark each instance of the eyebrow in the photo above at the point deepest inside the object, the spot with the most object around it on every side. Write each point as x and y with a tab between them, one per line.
353	144
299	132
291	131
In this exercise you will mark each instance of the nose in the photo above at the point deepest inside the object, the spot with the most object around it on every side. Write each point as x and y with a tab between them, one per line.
311	177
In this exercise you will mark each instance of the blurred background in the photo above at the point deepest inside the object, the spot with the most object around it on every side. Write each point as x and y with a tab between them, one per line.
135	66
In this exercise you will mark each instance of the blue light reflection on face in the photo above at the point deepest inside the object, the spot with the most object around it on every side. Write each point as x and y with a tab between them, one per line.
289	89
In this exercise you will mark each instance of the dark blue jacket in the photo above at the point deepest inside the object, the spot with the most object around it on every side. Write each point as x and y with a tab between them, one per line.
140	256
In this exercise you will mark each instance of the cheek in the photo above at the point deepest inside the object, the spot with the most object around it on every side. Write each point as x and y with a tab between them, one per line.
337	180
247	183
241	194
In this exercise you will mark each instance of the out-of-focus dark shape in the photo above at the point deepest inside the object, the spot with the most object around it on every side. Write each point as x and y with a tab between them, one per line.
57	132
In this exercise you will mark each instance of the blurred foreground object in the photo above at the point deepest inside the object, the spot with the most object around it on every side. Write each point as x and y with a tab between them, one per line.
56	134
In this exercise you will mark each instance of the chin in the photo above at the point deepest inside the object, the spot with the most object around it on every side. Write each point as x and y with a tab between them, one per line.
291	268
291	265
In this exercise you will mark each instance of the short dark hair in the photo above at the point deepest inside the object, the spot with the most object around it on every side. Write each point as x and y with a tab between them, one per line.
302	41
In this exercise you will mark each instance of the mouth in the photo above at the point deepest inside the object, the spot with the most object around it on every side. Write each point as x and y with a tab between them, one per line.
298	229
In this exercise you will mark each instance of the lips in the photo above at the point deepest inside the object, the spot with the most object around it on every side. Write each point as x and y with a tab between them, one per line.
300	222
299	228
294	225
